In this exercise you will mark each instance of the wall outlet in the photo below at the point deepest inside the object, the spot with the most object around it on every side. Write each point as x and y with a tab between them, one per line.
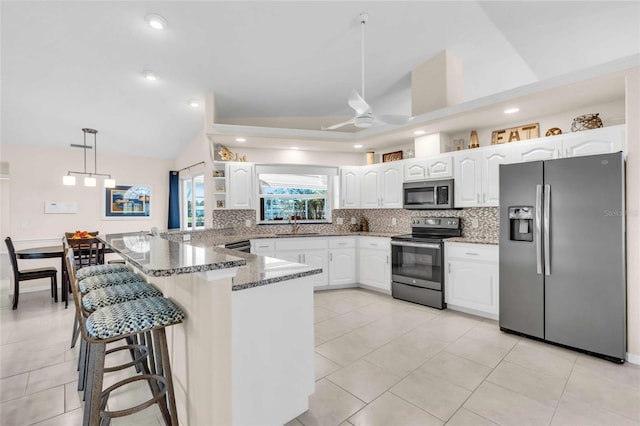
248	223
474	223
186	237
353	220
394	221
339	221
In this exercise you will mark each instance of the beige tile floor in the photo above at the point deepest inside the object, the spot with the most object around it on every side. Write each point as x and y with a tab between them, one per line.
379	361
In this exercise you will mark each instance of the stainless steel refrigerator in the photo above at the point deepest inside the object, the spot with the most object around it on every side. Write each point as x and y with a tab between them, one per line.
562	252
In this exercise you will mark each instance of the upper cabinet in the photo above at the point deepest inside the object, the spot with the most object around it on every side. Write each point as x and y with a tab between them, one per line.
491	158
598	141
240	186
381	186
467	178
475	171
436	167
350	187
537	149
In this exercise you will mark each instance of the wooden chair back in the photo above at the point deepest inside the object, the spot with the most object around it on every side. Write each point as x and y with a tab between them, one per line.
87	251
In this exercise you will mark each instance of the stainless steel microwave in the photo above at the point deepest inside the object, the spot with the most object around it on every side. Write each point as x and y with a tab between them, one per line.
428	195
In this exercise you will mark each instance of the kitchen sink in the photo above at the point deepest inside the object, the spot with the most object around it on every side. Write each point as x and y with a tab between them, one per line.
293	234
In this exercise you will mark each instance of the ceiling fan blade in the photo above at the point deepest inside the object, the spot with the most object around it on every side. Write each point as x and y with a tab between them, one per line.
394	119
335	126
358	103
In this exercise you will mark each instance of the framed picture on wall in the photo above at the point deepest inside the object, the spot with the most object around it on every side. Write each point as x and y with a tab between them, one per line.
392	156
127	202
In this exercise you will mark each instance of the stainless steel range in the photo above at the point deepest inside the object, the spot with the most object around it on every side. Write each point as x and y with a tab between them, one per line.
417	271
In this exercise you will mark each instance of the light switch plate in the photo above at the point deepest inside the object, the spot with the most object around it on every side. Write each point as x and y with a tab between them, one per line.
339	221
474	222
186	237
394	221
248	223
353	220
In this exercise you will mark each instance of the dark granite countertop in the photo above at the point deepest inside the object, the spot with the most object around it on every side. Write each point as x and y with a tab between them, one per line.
158	257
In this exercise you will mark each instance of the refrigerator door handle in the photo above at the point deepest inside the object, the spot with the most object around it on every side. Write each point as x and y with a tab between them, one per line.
539	229
547	244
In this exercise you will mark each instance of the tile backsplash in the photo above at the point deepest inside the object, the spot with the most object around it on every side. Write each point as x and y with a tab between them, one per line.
380	220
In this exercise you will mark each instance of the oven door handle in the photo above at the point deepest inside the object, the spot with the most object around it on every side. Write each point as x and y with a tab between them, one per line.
418	245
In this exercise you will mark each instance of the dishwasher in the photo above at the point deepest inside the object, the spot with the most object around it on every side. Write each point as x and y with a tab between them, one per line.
243	246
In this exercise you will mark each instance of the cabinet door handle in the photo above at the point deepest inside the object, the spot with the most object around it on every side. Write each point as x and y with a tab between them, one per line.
478	198
566	153
387	259
484	197
343	202
449	264
330	257
471	253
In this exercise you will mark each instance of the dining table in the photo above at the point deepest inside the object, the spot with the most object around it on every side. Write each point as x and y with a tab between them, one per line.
48	252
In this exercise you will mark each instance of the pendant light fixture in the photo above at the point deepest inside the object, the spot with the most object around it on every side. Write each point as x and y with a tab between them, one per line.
89	177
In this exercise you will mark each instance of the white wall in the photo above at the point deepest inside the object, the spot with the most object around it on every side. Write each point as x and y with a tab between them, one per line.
611	113
36	176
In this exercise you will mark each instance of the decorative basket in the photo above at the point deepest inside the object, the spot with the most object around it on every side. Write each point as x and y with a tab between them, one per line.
586	122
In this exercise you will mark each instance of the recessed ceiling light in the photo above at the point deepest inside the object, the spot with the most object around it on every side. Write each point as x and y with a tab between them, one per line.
150	75
156	21
294	147
357	146
511	110
194	104
241	140
419	132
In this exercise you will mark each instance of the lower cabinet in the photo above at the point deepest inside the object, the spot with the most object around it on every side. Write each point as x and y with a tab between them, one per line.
472	278
374	262
342	261
310	251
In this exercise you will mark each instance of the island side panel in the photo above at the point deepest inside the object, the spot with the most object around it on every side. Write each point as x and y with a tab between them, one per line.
273	352
200	348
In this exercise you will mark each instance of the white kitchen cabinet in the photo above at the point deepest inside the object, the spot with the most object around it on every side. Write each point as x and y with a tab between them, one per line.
591	142
263	247
381	186
490	168
350	187
240	186
374	262
434	167
342	261
467	166
370	187
391	185
537	149
310	251
472	278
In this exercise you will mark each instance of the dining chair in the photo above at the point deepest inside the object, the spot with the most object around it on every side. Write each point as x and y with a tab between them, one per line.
88	251
29	274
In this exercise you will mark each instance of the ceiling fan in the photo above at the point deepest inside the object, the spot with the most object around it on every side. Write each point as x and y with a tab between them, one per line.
364	114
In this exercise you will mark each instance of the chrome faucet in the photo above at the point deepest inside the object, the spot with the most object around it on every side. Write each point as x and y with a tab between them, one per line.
295	226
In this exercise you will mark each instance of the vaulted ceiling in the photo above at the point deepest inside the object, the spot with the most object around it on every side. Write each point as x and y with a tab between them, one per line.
69	65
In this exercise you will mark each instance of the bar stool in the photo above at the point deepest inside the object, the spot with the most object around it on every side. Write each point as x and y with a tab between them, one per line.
111	323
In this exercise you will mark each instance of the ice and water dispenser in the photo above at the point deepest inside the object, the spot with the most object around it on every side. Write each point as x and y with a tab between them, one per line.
521	223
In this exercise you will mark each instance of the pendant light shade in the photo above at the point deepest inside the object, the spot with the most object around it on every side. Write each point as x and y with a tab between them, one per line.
90	177
68	180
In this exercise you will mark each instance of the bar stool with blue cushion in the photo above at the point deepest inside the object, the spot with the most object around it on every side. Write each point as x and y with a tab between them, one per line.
108	324
92	271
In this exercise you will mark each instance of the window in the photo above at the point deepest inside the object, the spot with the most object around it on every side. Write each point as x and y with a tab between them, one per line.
300	193
193	202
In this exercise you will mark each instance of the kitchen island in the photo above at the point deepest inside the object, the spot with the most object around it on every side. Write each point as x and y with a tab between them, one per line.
244	354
